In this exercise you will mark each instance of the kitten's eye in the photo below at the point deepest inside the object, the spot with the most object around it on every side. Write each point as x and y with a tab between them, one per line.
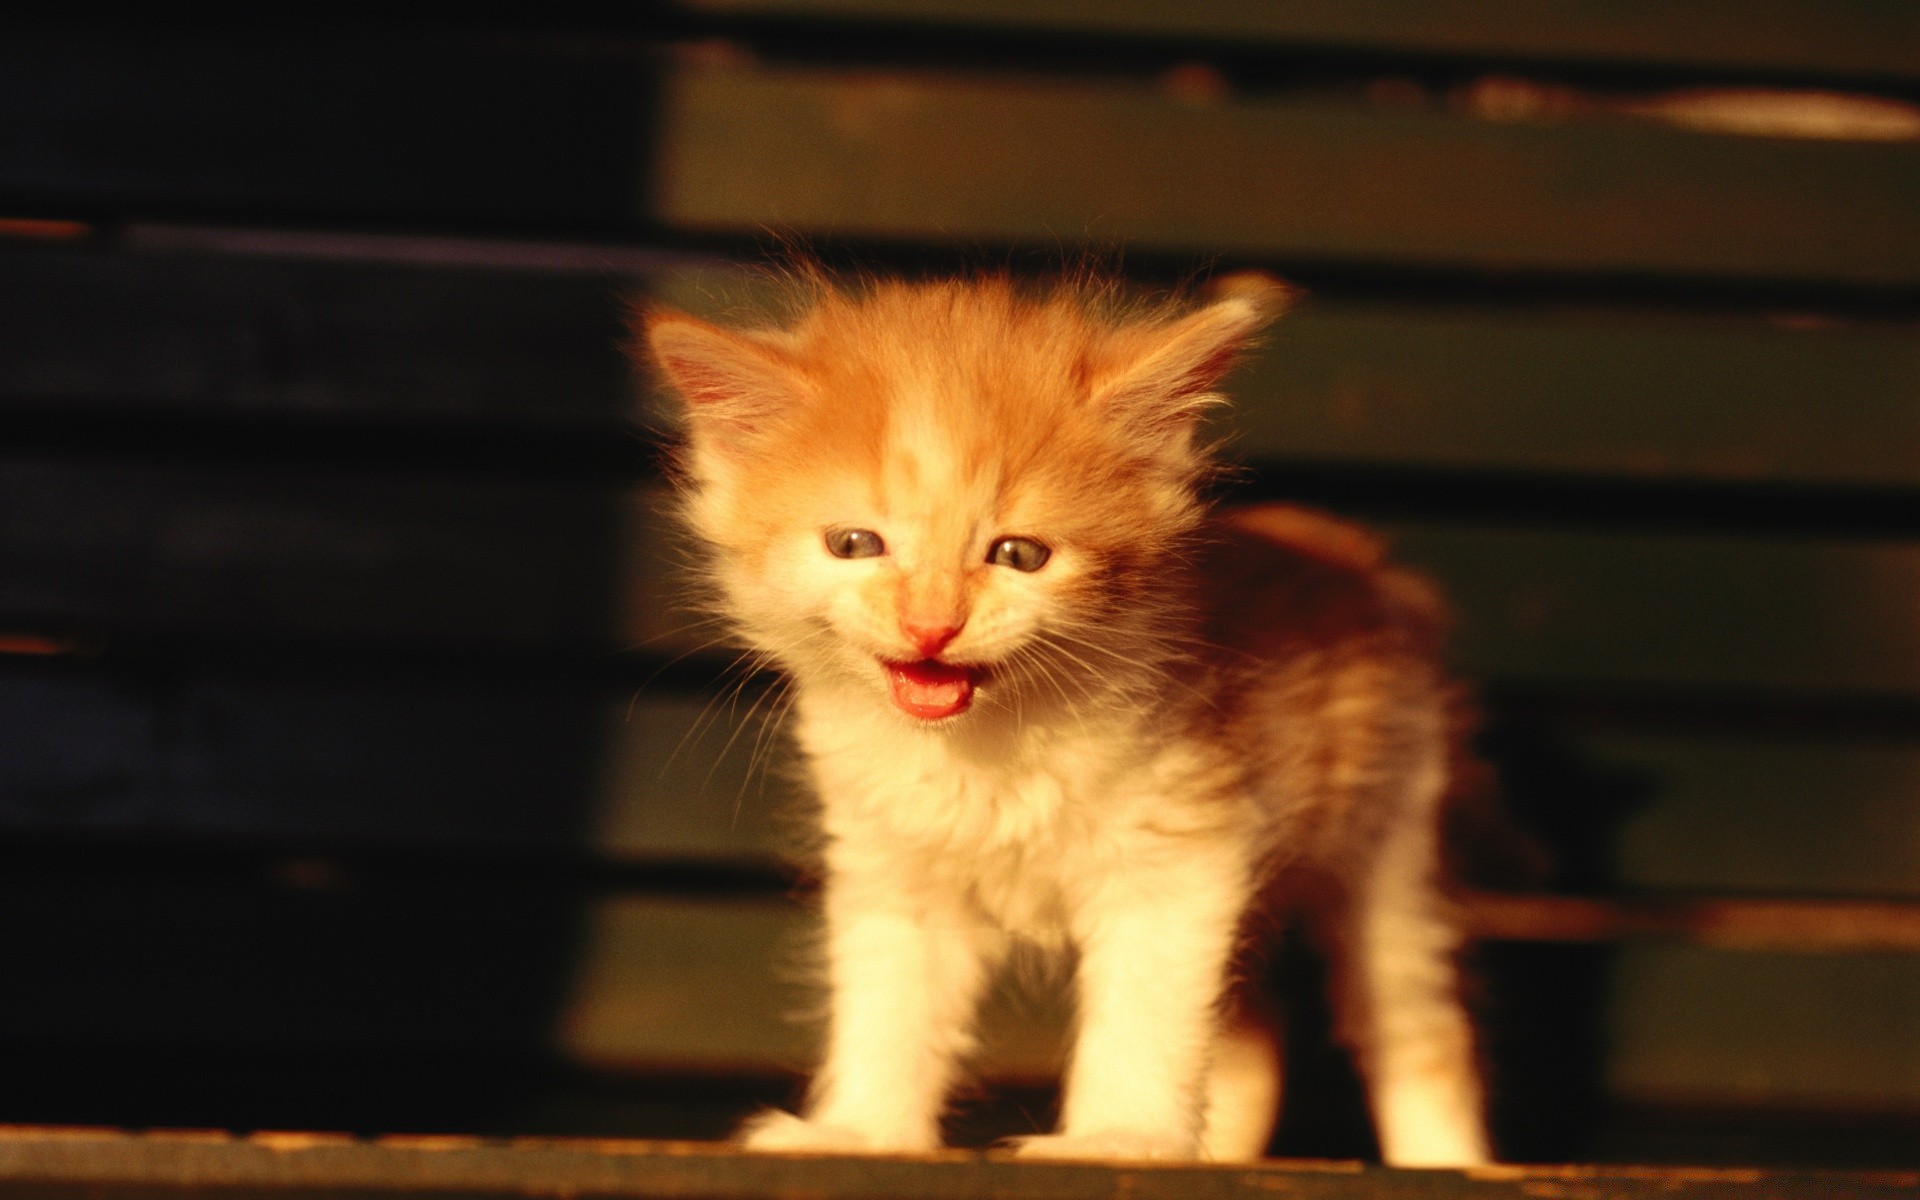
1022	554
854	543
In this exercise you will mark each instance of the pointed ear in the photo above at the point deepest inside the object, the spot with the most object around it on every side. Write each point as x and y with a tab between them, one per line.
1167	373
733	384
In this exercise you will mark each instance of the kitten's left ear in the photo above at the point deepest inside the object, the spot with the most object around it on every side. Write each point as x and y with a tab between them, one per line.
1167	373
733	383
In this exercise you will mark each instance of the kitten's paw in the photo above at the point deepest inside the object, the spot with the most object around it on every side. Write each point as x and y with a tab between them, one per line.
1106	1147
779	1132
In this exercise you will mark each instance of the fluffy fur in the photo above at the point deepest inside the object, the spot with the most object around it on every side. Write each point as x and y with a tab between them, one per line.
1181	723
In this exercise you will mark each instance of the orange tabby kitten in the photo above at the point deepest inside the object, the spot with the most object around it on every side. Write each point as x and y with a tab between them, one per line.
1047	696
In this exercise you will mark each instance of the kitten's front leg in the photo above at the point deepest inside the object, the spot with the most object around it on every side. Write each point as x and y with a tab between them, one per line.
1154	950
906	963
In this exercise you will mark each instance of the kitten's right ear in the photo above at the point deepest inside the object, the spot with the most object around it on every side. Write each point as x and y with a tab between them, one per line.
733	385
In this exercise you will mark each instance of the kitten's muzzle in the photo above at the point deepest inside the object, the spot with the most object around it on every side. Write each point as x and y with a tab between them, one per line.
931	690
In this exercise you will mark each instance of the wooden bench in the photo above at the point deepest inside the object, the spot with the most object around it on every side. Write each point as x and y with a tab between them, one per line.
361	770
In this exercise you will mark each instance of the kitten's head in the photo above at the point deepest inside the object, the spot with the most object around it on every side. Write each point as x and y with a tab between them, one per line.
951	492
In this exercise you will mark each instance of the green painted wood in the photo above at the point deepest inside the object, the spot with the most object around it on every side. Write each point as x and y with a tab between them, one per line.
1610	391
1741	814
1855	37
336	556
1708	1028
57	1164
1548	606
1757	815
898	154
109	548
699	779
705	985
94	336
93	331
1650	395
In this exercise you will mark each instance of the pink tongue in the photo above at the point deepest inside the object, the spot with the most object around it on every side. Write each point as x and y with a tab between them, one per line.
930	690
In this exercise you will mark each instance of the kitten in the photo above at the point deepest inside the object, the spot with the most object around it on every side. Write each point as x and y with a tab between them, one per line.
1048	697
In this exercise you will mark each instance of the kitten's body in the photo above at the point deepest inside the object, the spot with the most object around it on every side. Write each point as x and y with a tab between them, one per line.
1175	726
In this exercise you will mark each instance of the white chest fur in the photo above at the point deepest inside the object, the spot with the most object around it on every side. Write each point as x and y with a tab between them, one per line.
1026	824
1020	821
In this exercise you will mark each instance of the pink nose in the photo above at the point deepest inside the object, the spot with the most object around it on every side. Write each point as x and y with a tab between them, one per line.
930	639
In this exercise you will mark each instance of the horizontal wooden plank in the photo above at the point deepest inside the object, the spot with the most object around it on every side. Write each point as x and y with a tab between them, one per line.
672	985
93	331
125	550
459	761
130	551
468	760
1651	395
413	129
1591	607
473	135
96	336
1873	38
112	548
1764	814
683	985
1823	926
295	955
116	1166
1705	1028
1541	604
896	154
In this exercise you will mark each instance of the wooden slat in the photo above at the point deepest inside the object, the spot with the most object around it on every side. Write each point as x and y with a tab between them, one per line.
296	955
100	335
1754	1029
1649	395
1550	606
312	126
1874	38
90	331
452	761
111	1166
920	155
689	985
1542	604
1763	813
473	136
333	554
1823	926
112	548
1596	390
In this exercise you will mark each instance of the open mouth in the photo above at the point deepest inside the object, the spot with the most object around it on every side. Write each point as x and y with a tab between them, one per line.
930	689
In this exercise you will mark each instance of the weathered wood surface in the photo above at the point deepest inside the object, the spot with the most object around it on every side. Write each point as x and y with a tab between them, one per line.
904	155
334	554
468	135
1873	38
96	332
55	1164
281	550
97	336
1759	1029
501	756
411	129
1842	926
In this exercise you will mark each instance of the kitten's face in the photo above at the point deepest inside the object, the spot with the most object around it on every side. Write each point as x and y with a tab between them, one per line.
945	495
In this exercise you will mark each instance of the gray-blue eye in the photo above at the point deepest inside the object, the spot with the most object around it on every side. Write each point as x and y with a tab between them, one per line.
1022	554
854	543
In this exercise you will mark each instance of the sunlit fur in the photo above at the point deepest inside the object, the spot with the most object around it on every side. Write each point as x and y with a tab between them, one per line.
1185	723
